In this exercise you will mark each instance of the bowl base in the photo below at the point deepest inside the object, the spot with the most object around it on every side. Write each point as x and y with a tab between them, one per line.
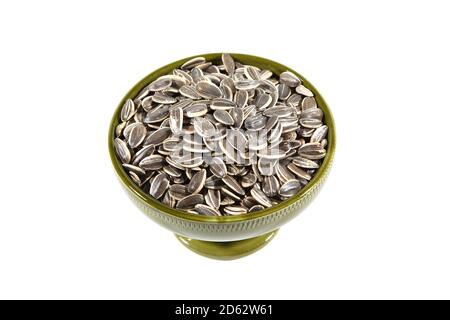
229	250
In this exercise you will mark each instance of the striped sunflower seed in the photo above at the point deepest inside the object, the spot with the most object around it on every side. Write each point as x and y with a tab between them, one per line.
255	208
196	110
228	62
158	137
289	79
223	117
206	210
213	198
218	167
304	91
128	110
290	188
208	90
270	186
233	185
192	63
197	182
160	84
137	135
235	210
260	197
159	186
152	163
122	150
176	120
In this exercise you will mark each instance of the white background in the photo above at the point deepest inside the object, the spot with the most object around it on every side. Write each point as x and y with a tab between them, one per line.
380	227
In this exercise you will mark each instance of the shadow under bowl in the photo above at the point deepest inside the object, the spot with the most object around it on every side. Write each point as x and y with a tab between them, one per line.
225	237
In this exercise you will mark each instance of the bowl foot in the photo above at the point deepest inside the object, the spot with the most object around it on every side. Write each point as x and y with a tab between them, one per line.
227	250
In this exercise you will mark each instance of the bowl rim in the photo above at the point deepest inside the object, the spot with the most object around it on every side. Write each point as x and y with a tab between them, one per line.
142	196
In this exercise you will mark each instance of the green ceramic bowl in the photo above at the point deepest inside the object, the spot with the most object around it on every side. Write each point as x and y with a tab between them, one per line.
225	237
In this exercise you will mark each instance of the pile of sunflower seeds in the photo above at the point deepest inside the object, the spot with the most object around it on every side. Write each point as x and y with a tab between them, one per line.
221	139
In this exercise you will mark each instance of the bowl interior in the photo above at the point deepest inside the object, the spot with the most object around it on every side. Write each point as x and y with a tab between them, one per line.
262	63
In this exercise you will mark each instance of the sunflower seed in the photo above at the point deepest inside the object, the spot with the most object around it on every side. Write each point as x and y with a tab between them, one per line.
283	91
157	115
247	84
196	110
160	84
313	154
238	117
178	191
197	182
218	167
168	200
230	193
164	98
157	137
248	180
275	133
310	123
213	198
294	100
189	161
266	167
189	92
235	210
260	197
204	127
224	117
213	182
290	188
236	139
190	201
137	135
153	162
255	123
319	134
304	91
255	208
263	101
142	153
248	202
206	210
233	185
172	171
222	104
298	171
227	201
270	186
305	163
176	120
241	98
159	186
252	73
289	79
119	129
208	90
312	113
122	150
192	63
228	62
132	168
128	110
272	154
135	178
308	102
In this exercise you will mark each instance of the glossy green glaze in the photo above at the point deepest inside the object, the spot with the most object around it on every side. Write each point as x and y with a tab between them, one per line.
224	228
227	250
